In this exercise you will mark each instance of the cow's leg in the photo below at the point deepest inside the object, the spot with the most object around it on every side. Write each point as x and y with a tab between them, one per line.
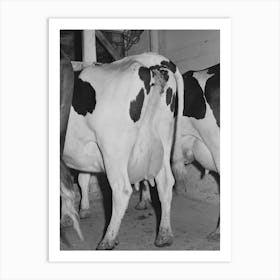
121	192
165	182
211	137
83	180
215	235
145	196
213	144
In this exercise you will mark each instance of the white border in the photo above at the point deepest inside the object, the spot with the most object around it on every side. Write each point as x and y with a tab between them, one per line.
55	255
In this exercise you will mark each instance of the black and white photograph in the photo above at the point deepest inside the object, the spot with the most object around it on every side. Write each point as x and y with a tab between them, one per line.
140	139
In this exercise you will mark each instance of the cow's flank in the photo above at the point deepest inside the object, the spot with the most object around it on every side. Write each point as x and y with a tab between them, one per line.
212	91
136	106
194	102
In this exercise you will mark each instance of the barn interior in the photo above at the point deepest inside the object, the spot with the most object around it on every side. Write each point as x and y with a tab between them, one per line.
195	204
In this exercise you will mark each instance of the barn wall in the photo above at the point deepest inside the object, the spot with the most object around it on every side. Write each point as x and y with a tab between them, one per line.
189	49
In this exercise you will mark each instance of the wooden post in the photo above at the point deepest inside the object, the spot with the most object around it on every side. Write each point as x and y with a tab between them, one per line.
154	41
89	46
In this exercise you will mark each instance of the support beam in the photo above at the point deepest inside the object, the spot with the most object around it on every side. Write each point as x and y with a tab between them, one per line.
154	41
107	45
89	46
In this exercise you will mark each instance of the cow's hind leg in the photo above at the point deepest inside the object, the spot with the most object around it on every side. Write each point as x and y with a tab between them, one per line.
165	182
121	192
83	180
215	235
212	141
215	150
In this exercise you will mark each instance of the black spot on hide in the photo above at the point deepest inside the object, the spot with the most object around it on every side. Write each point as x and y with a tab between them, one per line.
145	76
194	103
136	106
84	98
212	91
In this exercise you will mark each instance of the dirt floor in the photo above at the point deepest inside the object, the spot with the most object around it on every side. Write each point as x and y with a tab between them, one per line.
191	219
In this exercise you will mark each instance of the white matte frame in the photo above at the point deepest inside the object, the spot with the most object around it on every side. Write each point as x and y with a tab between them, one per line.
222	255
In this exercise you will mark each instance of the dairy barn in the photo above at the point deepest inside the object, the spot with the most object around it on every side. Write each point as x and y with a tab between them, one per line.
122	114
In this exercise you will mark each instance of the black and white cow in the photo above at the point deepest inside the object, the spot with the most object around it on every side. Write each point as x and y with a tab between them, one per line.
122	122
201	122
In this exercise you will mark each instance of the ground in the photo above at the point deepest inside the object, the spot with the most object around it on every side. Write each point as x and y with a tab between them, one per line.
194	215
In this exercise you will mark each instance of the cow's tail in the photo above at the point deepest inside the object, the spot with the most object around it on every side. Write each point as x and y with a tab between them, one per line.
177	155
67	195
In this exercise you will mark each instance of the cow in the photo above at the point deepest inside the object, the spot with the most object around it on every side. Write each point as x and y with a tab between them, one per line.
201	123
200	139
67	193
123	122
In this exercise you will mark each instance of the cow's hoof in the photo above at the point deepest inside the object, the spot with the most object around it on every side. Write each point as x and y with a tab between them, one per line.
164	238
66	221
107	245
141	205
214	236
84	213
